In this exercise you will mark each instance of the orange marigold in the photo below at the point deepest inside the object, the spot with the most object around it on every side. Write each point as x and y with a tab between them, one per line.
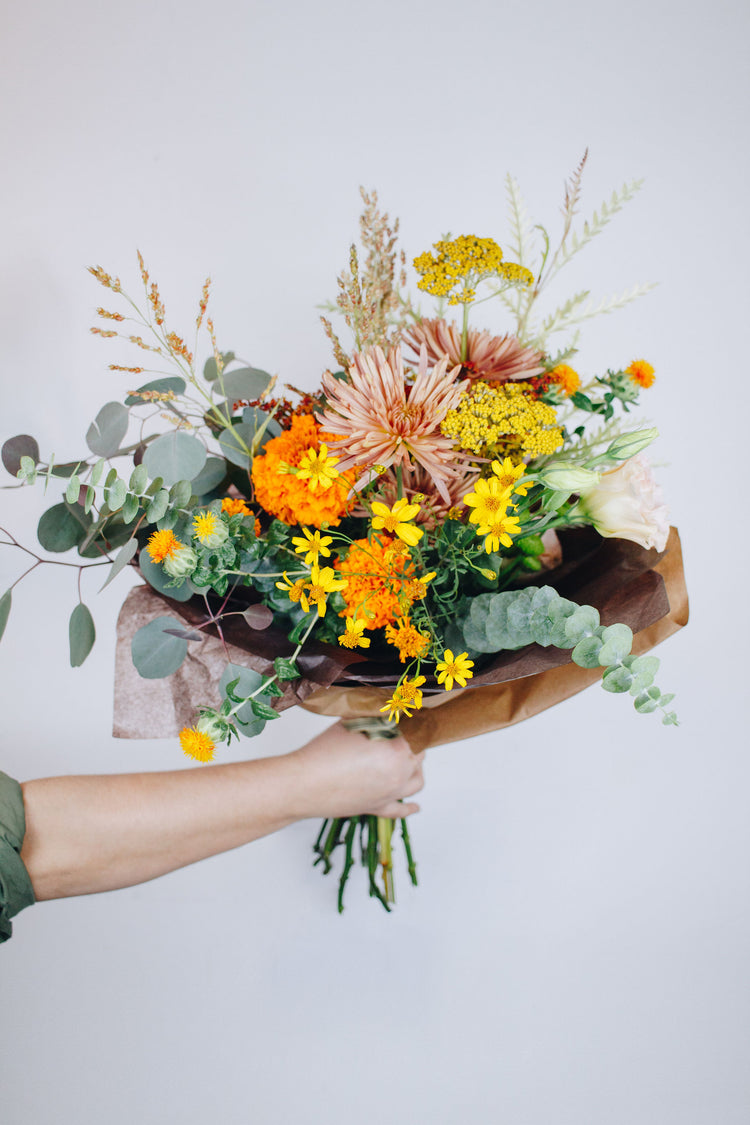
376	579
641	372
290	498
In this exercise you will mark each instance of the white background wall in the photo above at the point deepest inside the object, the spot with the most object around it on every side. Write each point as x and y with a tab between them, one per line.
577	951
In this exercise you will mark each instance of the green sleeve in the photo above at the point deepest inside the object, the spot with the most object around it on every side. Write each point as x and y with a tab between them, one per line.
16	890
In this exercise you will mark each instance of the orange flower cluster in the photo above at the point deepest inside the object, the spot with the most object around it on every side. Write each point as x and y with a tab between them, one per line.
376	577
236	506
290	498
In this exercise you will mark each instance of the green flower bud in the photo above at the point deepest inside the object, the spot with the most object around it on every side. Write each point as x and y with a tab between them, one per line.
627	445
210	529
181	563
213	726
490	575
567	477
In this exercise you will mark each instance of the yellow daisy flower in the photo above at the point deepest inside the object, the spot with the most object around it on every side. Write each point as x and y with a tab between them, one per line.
317	466
452	668
353	638
489	500
395	520
294	590
508	472
322	583
499	530
312	545
406	698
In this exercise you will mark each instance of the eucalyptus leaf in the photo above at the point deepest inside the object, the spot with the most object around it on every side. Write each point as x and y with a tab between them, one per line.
581	623
617	679
586	652
244	382
235	443
156	507
180	493
124	556
210	477
22	445
618	641
155	653
175	456
168	383
211	371
5	603
73	489
138	479
106	432
116	495
96	472
60	528
81	633
88	502
130	508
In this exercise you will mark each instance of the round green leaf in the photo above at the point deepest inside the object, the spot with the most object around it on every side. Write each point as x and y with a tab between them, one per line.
156	576
581	623
617	679
22	445
168	383
586	652
618	641
244	382
130	508
106	432
61	527
116	495
156	508
138	479
210	476
81	633
5	604
156	653
174	456
180	493
235	442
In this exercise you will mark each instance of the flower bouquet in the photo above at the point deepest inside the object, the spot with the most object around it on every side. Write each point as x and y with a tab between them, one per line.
450	514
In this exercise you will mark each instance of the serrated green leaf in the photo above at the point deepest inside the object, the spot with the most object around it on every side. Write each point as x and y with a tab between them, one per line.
156	653
286	669
81	633
262	710
138	479
124	556
106	432
6	602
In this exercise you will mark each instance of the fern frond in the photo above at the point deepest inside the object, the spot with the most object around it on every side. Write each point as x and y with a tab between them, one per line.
599	220
573	190
568	314
561	316
521	247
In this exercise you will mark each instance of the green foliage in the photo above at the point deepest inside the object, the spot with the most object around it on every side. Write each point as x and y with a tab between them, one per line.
210	477
81	633
210	369
22	445
174	456
237	443
26	470
5	604
62	527
124	556
106	432
237	683
286	669
157	653
244	382
156	576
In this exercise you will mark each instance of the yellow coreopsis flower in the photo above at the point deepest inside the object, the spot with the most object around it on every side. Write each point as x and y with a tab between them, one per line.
322	583
353	638
499	530
508	472
452	668
406	698
489	500
395	520
317	466
294	590
312	545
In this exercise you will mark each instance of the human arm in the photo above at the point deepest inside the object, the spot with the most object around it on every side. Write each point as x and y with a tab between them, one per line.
97	833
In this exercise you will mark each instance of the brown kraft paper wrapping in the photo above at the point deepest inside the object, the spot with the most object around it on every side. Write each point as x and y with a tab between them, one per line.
625	582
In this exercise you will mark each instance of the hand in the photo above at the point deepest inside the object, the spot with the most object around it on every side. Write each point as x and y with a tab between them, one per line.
347	773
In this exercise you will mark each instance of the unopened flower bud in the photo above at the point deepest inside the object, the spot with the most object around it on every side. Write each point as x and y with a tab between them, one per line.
211	725
566	477
490	575
181	563
627	445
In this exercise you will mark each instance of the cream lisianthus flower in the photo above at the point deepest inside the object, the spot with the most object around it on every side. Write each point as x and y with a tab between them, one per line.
627	503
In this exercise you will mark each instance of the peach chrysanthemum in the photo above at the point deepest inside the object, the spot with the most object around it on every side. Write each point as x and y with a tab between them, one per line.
290	498
376	578
162	545
489	357
381	418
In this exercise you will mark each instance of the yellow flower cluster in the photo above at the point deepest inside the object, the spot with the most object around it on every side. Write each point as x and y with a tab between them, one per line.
464	262
408	640
506	419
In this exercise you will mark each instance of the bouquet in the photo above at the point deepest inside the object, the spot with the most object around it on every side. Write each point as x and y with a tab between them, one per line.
449	512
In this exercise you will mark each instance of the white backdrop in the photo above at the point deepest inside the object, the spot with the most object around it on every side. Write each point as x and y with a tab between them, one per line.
576	953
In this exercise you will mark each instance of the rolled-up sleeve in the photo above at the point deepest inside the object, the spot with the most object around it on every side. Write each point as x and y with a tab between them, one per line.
16	891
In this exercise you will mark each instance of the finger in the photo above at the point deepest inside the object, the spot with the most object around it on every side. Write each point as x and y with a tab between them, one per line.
413	786
395	810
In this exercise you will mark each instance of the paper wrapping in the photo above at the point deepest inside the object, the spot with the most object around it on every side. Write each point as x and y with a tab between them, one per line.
643	589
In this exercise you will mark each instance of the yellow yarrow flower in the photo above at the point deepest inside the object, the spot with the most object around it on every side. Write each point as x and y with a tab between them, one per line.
507	419
395	520
452	668
406	698
322	583
317	466
353	638
312	546
462	263
162	545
